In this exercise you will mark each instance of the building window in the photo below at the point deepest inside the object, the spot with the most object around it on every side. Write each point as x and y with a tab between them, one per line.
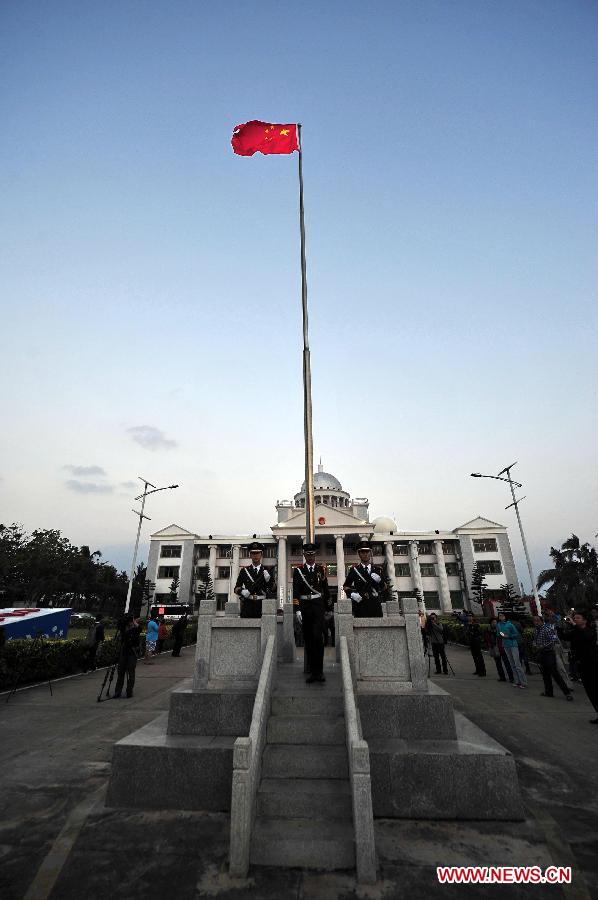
456	599
490	567
223	572
270	551
452	568
223	550
402	594
424	548
168	571
377	549
172	550
431	598
449	548
485	545
202	572
330	569
221	599
401	549
202	552
402	570
428	570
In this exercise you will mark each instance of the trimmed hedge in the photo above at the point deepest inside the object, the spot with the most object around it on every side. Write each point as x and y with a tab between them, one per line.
26	661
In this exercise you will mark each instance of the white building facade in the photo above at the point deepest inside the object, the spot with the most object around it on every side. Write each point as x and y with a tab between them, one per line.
436	564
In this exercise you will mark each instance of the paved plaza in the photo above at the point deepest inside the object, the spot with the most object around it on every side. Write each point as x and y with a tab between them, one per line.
58	840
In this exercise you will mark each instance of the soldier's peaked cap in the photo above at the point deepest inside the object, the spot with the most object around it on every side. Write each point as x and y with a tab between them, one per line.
309	548
256	546
364	545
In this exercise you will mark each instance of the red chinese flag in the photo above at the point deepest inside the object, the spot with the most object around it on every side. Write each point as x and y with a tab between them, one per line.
264	137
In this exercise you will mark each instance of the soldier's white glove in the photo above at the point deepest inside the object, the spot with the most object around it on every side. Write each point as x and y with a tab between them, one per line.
356	598
245	593
298	614
266	576
376	577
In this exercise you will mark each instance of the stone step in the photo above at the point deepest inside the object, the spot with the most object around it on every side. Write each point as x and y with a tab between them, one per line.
305	761
322	798
306	730
310	703
303	843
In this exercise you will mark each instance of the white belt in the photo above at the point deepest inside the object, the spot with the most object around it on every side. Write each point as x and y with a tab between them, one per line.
310	596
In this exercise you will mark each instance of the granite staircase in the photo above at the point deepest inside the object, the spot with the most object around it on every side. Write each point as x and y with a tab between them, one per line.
304	813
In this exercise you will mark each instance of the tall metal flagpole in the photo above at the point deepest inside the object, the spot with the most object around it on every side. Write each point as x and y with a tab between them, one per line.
307	417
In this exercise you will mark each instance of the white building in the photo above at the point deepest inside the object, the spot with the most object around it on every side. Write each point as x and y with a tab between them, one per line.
439	564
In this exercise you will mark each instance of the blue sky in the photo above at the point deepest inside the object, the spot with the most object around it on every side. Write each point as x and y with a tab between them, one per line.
151	285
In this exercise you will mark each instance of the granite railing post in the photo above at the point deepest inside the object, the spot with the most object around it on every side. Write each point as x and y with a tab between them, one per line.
359	772
204	641
268	621
288	632
247	764
415	647
344	627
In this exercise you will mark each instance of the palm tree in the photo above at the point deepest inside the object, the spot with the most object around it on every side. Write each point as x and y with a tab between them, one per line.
573	579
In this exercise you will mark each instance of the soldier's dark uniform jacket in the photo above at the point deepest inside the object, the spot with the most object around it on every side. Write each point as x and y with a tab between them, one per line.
312	593
260	583
373	591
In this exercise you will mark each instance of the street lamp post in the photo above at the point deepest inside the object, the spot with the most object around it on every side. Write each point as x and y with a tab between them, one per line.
513	484
142	497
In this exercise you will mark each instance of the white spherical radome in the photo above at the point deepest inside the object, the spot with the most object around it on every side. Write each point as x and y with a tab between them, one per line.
384	525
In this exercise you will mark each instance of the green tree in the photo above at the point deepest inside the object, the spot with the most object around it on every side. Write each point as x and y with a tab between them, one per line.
512	605
573	578
205	590
478	585
174	589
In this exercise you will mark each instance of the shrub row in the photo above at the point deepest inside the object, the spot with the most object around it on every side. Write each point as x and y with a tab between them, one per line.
26	660
456	634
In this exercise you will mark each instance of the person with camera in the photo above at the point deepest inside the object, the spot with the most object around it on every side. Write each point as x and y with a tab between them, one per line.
544	641
435	634
584	650
129	630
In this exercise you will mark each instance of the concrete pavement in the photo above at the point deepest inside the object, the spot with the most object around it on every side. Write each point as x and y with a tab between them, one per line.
58	840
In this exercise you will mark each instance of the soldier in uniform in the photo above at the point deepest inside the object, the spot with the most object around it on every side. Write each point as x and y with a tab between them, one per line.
366	584
254	584
312	597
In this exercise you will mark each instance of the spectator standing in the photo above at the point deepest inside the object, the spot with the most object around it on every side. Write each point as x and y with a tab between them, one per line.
497	652
178	633
554	620
151	639
544	641
473	636
436	635
162	634
95	636
585	653
130	632
508	633
521	647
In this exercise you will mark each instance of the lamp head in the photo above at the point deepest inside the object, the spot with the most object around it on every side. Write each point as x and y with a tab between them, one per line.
476	475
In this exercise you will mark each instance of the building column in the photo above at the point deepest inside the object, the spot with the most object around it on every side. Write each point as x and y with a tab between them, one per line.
282	569
234	571
416	573
445	594
212	563
340	565
390	568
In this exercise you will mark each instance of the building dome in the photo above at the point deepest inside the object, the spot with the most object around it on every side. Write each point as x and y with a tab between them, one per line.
384	525
324	481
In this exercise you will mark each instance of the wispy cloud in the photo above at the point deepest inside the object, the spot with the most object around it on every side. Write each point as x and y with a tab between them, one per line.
88	487
129	485
85	471
151	438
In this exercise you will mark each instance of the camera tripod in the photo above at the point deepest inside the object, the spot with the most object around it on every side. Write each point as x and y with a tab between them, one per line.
109	676
430	655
